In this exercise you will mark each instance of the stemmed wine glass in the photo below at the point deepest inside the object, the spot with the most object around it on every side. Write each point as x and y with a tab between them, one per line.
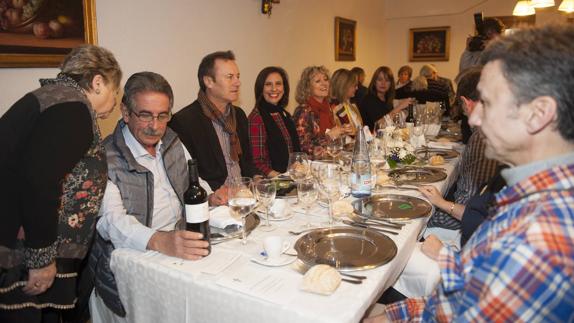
308	194
265	191
298	166
330	184
334	147
241	201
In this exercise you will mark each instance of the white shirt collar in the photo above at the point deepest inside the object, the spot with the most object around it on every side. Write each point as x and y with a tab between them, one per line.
136	147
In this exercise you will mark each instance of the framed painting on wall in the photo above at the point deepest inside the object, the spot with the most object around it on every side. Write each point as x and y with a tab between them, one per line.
40	33
429	44
345	39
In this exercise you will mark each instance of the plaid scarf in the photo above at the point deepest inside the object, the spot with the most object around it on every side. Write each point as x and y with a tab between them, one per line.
228	122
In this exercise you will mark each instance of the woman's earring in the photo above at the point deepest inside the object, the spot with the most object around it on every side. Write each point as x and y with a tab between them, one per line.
97	91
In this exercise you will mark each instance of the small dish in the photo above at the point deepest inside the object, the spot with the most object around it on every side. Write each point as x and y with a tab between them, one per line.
282	260
288	214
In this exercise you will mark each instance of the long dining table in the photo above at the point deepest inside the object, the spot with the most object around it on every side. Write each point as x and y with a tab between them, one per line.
228	287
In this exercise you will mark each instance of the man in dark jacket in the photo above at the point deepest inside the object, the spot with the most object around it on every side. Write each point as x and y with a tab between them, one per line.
214	130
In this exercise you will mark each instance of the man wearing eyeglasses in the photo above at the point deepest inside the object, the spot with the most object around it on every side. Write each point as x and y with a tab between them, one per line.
147	176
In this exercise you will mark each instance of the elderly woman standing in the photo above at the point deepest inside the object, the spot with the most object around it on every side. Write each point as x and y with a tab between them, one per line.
271	130
380	98
343	87
53	174
314	120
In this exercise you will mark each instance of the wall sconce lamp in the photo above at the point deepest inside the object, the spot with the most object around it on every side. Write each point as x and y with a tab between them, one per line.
267	6
526	8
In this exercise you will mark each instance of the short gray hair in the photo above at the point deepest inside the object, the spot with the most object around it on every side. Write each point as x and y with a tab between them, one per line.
539	62
145	82
83	63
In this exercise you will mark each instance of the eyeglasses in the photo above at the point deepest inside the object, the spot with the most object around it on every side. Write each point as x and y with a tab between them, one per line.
148	117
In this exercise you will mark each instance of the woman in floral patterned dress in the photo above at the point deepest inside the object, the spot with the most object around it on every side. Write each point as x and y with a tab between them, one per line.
314	120
53	174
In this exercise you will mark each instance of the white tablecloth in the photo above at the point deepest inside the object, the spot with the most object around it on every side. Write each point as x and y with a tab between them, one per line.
156	288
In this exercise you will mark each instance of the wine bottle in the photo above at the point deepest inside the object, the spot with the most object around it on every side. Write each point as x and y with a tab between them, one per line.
342	115
196	205
410	117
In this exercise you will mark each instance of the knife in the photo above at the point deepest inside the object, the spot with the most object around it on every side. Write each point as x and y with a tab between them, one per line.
367	226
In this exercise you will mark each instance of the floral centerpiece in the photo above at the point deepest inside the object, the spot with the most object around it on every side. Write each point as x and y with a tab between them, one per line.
399	151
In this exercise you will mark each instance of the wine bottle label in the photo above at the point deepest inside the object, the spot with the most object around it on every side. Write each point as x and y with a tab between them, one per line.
197	213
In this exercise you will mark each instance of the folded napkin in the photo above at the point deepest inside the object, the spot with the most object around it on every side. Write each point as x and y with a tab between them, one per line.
441	145
432	129
417	141
220	217
280	208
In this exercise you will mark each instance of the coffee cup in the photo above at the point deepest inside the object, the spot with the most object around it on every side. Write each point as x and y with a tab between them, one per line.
275	246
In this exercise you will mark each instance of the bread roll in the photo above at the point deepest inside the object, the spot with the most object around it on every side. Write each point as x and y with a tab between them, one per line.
383	178
342	207
436	160
321	279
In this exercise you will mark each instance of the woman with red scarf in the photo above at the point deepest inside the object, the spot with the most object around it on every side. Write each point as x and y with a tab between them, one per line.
314	120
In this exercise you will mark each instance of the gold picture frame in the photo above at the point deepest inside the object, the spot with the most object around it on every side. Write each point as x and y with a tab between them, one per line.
429	44
345	39
20	46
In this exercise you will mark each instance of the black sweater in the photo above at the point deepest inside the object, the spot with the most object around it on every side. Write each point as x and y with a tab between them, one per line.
197	133
372	109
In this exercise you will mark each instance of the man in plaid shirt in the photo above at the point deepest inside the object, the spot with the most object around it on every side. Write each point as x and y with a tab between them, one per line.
519	265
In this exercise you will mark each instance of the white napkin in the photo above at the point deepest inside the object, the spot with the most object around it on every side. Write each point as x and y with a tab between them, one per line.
441	145
220	217
417	141
279	208
432	129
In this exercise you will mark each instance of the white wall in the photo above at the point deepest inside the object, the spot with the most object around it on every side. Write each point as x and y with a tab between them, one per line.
171	37
400	16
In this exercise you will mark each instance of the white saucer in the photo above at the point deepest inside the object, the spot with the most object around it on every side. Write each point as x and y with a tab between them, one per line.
283	260
289	214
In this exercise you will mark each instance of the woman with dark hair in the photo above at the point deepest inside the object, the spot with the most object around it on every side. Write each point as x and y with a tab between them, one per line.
271	130
380	98
53	174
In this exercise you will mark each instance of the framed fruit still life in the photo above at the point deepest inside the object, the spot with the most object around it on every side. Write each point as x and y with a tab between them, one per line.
429	44
40	33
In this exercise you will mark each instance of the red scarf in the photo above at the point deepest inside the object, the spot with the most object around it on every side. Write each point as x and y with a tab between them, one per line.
322	110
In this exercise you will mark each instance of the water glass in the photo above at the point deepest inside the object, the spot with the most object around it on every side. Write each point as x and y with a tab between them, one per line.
330	184
265	192
308	194
241	201
334	147
298	166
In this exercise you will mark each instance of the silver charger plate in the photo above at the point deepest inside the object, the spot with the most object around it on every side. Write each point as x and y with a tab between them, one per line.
392	206
345	248
417	175
445	153
220	235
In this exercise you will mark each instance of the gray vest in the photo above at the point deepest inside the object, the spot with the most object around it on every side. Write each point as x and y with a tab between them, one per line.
135	184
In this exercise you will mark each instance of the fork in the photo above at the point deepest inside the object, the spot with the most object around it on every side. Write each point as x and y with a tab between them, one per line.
301	264
302	268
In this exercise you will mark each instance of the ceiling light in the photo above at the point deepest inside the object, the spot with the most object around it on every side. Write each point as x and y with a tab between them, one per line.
567	6
542	3
523	8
